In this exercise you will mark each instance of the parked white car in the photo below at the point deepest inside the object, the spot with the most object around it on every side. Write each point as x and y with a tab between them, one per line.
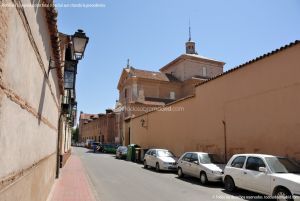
207	167
265	174
160	159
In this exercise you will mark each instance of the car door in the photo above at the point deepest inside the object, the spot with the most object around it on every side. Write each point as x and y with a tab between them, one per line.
236	170
185	163
194	165
253	179
153	158
148	157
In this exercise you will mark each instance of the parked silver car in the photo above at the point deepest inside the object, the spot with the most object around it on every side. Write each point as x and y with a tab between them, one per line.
121	152
161	159
207	167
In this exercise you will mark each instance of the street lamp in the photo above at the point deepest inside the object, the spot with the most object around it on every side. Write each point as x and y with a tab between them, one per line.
73	54
80	41
70	74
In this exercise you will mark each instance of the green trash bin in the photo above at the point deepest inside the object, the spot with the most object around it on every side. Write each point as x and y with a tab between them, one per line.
131	152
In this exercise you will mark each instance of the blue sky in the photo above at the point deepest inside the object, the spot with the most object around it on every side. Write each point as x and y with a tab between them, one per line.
152	33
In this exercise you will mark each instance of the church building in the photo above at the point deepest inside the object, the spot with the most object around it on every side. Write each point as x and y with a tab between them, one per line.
141	90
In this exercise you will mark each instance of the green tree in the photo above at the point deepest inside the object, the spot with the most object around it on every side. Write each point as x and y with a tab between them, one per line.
75	134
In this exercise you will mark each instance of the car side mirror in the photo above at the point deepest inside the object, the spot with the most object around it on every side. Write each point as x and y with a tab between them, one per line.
196	162
154	155
262	169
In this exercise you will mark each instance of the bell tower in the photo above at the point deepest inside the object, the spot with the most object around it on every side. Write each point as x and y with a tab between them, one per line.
190	46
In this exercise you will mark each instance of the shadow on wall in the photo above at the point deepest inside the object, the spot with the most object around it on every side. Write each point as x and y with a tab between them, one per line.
42	100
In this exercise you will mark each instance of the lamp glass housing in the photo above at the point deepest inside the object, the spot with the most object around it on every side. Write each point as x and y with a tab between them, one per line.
80	41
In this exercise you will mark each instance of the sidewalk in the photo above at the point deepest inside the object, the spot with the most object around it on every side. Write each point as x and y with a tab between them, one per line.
73	184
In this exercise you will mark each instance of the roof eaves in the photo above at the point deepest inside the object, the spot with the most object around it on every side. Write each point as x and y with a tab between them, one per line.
252	61
171	63
51	15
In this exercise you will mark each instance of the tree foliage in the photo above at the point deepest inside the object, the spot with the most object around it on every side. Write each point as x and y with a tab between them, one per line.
75	134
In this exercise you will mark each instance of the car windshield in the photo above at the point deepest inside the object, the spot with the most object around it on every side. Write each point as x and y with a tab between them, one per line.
164	153
122	148
282	165
209	158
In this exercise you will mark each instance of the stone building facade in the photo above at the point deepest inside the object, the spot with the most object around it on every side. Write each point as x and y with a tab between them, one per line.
98	127
253	108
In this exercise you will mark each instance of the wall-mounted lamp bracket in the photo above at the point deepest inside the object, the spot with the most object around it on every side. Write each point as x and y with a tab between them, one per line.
51	65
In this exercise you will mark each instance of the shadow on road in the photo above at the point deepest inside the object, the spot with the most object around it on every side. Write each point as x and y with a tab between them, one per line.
97	152
160	172
196	181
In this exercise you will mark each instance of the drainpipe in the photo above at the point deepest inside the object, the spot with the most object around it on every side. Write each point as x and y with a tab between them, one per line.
225	141
58	143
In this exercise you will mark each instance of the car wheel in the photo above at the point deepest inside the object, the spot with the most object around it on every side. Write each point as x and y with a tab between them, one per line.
203	178
157	167
283	194
180	173
145	164
229	184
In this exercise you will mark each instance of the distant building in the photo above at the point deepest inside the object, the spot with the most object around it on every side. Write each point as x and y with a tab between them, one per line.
98	127
141	91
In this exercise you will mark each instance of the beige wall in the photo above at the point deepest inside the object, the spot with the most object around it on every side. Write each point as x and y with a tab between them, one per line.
259	104
188	68
28	106
34	184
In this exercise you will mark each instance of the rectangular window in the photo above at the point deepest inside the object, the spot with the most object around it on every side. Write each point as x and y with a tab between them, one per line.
254	163
238	162
125	93
172	95
134	91
204	71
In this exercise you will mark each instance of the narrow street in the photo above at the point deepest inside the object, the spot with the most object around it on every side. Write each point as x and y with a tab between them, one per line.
120	180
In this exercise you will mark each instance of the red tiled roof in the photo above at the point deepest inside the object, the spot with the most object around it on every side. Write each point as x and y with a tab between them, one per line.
153	75
85	116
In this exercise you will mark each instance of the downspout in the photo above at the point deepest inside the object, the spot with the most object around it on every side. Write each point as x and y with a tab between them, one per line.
225	141
58	143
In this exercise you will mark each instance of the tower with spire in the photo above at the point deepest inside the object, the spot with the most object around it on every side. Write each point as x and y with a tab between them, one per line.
190	46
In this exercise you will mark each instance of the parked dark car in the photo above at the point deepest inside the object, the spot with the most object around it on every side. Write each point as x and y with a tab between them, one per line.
94	146
121	152
107	148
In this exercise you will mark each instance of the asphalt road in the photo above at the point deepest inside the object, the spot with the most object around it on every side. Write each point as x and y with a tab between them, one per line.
119	180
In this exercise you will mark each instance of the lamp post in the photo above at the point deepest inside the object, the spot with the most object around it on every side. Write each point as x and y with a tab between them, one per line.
80	41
